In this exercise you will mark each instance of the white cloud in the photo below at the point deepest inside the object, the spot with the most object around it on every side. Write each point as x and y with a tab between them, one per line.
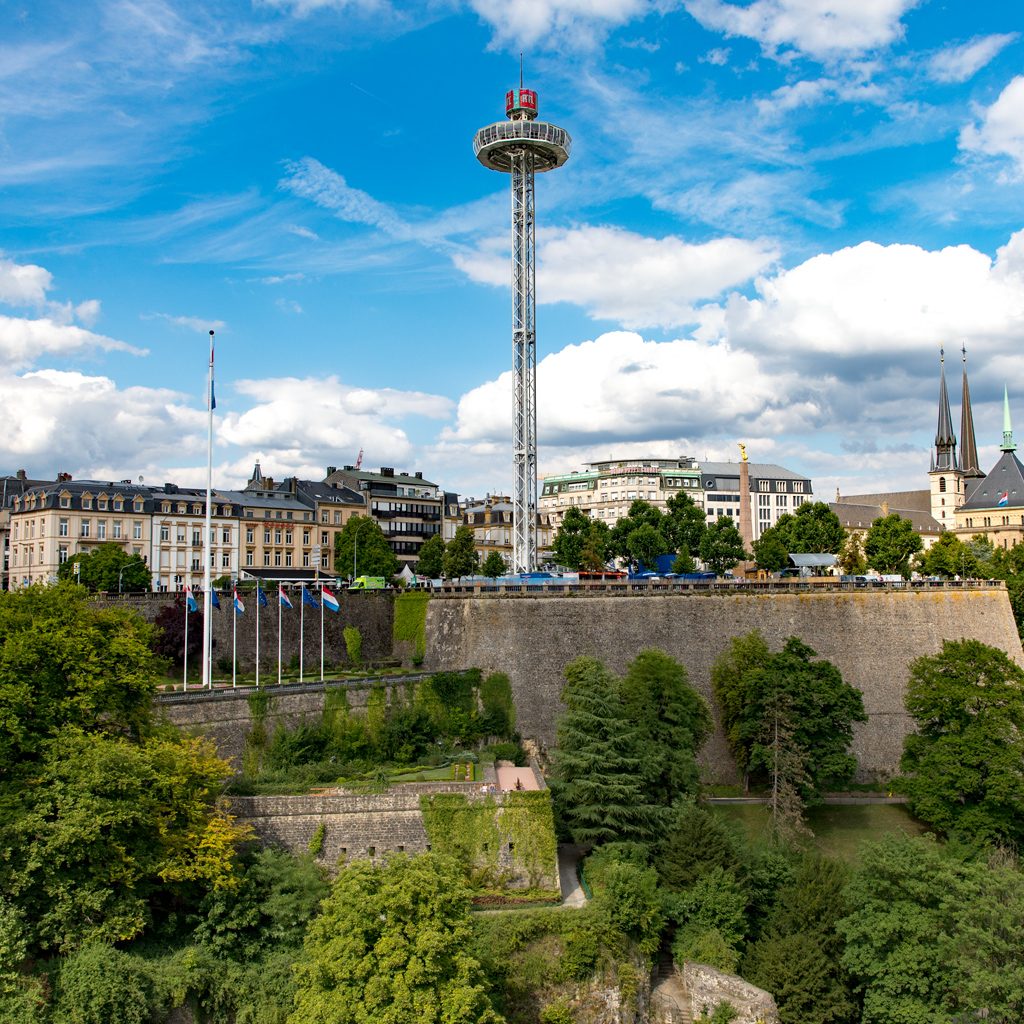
190	323
820	28
959	63
304	8
289	306
875	301
551	23
23	341
719	56
1000	131
23	284
311	180
626	277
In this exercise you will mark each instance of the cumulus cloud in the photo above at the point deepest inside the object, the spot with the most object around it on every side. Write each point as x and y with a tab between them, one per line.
871	301
959	63
820	28
630	278
553	23
1000	128
23	284
23	341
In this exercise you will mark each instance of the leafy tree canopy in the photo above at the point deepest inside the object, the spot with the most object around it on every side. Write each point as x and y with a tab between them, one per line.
722	546
571	538
105	567
965	763
644	544
851	558
755	688
393	943
460	555
685	524
890	543
812	529
948	557
770	551
361	549
494	565
431	561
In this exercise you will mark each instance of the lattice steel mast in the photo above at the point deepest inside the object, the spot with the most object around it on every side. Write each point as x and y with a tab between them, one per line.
523	146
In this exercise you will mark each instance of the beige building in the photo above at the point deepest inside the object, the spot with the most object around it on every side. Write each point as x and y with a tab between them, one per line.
333	506
50	523
490	519
179	518
605	490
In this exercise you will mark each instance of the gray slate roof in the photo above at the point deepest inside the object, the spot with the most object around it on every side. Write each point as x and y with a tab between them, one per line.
1005	477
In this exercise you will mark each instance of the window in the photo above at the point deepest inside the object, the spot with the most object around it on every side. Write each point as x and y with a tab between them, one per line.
195	565
118	505
337	519
181	534
101	504
798	486
86	524
277	536
324	516
942	485
266	536
248	535
288	536
277	558
65	501
117	529
137	506
266	558
165	533
225	561
62	554
305	559
62	529
136	530
86	501
197	538
763	485
781	500
305	536
248	558
101	529
323	537
288	559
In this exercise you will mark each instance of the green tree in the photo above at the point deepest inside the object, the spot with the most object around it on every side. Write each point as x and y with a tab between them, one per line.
494	565
596	779
571	538
684	525
105	567
965	762
770	551
460	556
431	560
392	944
644	544
595	546
759	692
890	543
98	984
641	513
948	556
64	663
712	908
672	722
851	558
722	546
361	549
684	563
814	528
696	841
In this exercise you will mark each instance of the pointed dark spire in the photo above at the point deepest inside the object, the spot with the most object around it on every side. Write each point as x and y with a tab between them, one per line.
968	445
945	440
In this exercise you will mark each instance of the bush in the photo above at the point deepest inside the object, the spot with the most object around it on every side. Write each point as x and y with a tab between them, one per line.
557	1012
508	752
99	984
354	644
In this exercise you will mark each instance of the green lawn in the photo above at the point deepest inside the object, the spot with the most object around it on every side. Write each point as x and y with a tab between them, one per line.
445	774
839	829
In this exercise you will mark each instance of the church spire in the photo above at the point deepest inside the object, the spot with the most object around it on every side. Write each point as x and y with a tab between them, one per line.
968	445
944	457
1007	445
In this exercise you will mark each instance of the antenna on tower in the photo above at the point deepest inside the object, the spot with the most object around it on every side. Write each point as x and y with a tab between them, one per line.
520	69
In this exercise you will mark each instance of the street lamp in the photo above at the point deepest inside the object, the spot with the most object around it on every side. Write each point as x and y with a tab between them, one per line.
120	573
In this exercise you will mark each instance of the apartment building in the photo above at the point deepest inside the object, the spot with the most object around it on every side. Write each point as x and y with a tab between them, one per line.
774	491
333	505
407	507
490	519
179	517
605	490
49	523
10	488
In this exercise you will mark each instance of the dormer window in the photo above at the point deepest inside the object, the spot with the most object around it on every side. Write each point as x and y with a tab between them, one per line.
138	505
101	503
65	500
87	500
165	507
182	508
118	503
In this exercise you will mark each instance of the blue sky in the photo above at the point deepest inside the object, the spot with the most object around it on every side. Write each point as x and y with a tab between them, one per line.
774	214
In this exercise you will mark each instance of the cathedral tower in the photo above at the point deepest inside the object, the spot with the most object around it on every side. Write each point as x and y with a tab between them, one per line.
947	479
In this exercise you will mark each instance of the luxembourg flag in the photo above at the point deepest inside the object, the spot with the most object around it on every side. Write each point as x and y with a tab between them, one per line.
283	598
190	601
330	601
239	607
1004	499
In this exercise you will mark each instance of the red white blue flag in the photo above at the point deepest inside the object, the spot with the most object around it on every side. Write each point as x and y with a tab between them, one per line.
331	603
283	598
239	607
1004	498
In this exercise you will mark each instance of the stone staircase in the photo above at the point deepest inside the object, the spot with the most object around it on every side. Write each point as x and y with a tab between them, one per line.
670	1002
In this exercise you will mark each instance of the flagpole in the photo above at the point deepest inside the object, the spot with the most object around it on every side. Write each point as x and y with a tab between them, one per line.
184	675
234	634
302	627
321	632
257	634
207	624
279	592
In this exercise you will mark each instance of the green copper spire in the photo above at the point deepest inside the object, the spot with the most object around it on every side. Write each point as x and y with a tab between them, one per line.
1007	445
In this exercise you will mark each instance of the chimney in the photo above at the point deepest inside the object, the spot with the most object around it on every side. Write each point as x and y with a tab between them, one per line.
331	470
419	476
22	475
387	470
268	483
169	488
293	484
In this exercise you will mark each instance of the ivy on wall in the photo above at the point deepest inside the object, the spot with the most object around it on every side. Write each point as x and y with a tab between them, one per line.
476	831
256	741
410	623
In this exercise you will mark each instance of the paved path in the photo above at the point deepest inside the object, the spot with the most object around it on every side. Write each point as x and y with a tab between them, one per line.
569	883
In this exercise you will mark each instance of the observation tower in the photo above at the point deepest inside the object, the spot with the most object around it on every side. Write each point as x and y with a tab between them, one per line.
523	146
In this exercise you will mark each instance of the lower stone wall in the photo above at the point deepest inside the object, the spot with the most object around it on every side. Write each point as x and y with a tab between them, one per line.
707	988
357	826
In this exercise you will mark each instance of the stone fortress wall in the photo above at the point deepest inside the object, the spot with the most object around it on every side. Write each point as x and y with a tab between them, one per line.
871	635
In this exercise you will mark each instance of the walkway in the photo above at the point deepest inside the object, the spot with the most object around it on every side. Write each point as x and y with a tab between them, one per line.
568	880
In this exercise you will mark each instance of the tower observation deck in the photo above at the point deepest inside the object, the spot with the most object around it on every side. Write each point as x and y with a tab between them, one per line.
523	146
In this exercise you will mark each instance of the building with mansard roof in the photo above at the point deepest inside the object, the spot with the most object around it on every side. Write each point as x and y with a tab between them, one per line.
995	503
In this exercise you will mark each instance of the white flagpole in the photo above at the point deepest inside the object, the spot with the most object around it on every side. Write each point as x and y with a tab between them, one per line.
302	625
257	634
321	632
184	675
207	624
234	635
279	634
